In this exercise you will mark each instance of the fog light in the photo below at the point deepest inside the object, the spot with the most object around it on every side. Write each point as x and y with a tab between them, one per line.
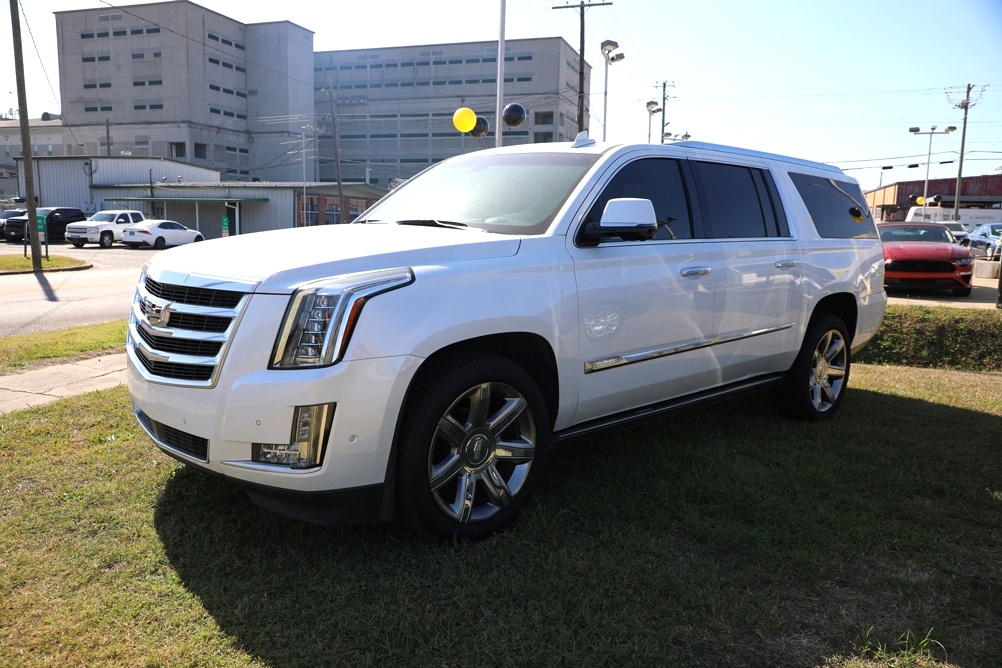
311	425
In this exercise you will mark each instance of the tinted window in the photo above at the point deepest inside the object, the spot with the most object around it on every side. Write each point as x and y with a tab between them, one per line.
739	202
658	180
833	205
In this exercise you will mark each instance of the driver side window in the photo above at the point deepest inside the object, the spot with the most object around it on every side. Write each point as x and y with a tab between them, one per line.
659	180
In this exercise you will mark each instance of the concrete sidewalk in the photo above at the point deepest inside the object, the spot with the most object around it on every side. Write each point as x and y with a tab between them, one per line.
41	386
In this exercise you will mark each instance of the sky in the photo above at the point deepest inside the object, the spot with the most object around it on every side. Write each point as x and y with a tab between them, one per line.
838	82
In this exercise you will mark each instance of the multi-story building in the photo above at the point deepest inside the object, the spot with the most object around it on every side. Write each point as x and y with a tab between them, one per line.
253	101
393	106
175	79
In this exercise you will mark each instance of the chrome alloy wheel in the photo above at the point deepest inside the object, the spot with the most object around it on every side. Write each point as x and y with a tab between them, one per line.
481	452
828	370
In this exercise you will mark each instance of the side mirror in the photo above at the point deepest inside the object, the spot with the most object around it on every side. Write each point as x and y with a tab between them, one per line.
626	218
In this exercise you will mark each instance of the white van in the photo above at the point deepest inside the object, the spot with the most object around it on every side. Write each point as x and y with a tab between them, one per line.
971	218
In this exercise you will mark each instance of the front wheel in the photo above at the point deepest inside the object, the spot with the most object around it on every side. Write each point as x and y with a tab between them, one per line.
961	292
160	243
473	440
77	244
107	240
816	383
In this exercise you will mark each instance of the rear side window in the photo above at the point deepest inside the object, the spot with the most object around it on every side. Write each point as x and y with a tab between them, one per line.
659	180
837	208
741	202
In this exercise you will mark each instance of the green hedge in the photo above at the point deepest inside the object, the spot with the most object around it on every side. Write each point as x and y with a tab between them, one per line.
967	339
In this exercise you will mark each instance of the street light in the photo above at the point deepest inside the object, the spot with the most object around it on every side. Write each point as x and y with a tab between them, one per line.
678	137
608	46
928	159
652	108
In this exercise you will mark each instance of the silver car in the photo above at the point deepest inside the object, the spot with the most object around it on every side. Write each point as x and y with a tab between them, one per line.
986	239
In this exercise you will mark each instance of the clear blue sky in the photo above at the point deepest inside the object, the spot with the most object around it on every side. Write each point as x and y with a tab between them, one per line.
839	82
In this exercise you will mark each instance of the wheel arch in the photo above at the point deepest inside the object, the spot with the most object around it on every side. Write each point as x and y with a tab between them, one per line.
530	351
843	305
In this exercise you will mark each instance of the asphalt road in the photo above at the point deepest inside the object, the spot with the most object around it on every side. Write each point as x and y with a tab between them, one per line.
63	299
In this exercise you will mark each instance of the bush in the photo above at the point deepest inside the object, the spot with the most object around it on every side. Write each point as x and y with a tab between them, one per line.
942	337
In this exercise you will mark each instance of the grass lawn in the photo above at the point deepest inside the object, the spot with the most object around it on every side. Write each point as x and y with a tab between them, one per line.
21	263
725	537
18	353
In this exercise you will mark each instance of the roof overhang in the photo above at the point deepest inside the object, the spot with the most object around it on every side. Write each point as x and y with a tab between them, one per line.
186	199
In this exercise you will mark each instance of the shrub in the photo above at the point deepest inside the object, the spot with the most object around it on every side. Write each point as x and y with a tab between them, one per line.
942	337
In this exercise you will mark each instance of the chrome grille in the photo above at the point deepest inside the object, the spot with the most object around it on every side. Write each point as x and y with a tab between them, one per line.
184	294
178	334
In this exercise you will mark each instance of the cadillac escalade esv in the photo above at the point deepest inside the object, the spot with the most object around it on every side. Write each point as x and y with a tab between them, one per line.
420	362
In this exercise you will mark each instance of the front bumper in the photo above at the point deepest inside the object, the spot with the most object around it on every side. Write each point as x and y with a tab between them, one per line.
82	237
213	428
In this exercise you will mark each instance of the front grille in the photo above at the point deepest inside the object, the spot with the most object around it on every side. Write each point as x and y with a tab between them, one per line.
199	323
189	444
923	266
179	333
194	296
175	370
173	344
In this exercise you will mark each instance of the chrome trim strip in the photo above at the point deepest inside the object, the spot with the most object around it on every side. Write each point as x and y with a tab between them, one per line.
614	361
267	468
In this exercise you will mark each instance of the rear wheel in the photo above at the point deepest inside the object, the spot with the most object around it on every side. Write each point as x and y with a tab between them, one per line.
816	383
473	440
107	240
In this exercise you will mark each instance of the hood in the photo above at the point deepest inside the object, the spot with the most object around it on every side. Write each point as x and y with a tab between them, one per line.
924	250
277	261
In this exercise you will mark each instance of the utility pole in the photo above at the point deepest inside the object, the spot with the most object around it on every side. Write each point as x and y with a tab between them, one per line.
107	136
965	105
22	105
345	210
581	61
664	106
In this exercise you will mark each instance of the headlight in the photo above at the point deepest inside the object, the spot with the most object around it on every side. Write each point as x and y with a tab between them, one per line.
322	314
964	261
91	230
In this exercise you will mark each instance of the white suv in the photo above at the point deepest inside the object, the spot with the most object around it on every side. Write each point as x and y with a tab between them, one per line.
420	362
103	228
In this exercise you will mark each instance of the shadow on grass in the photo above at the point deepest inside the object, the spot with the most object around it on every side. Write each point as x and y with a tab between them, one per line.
728	536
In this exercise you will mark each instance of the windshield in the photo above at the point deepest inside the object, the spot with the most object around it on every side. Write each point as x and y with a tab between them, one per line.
934	233
103	217
514	193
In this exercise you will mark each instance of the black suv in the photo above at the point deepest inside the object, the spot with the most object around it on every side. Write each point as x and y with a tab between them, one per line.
56	219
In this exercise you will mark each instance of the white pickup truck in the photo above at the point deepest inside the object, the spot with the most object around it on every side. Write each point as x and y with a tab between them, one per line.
420	362
103	228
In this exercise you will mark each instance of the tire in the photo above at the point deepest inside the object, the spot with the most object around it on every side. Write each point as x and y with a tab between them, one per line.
816	383
160	243
77	244
107	240
198	238
459	474
961	292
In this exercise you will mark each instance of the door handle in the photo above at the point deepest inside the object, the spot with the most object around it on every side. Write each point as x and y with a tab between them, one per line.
695	271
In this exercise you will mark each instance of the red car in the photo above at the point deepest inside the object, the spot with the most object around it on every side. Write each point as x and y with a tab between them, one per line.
925	255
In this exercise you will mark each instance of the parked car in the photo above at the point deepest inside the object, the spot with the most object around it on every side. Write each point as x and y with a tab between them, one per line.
985	239
926	256
159	234
10	213
419	362
56	220
960	233
103	228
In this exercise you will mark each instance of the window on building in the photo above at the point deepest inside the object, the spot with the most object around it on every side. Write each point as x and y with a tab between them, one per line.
201	151
177	149
543	118
542	137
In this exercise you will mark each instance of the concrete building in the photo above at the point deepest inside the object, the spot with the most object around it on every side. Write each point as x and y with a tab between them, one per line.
393	107
891	202
177	80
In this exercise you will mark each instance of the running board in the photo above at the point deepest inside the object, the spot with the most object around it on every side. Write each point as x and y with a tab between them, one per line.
689	402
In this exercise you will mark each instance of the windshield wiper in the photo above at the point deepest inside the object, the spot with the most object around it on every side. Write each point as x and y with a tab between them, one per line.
431	222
